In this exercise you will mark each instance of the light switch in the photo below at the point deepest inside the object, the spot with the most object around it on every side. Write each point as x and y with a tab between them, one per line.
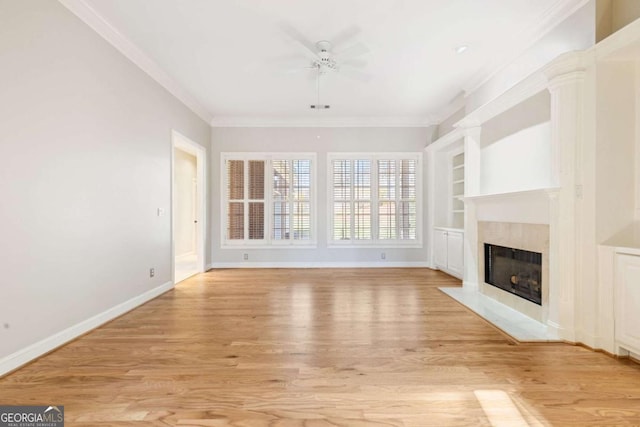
160	211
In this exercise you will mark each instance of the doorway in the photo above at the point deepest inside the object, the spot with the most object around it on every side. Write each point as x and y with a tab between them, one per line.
188	217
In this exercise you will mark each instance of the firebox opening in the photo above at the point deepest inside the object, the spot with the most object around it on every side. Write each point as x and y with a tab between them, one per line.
514	270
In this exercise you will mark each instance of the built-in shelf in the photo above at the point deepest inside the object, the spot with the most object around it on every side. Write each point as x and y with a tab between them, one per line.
457	188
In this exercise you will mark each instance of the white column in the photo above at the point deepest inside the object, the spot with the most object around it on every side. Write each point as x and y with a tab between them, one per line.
566	134
471	188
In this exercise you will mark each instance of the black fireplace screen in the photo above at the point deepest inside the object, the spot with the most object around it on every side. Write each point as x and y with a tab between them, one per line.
514	270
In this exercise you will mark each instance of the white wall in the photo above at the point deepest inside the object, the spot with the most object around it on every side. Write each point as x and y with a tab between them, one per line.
320	141
185	175
85	161
518	162
615	150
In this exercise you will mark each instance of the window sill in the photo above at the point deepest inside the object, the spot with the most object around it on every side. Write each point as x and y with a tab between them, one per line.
377	245
313	245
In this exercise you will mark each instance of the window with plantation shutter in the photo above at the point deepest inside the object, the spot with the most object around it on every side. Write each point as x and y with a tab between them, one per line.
291	199
269	199
235	195
374	199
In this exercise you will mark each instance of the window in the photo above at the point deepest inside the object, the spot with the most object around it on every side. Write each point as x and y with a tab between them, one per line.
268	199
374	199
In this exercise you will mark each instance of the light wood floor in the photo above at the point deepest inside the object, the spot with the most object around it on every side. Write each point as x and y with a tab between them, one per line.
316	348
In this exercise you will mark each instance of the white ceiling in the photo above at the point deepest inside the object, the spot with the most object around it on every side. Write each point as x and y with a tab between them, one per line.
224	54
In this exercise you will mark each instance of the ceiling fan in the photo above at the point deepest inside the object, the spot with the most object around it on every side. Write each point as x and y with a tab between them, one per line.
321	57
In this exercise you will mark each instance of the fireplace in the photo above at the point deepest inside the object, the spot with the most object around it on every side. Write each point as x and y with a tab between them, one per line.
516	271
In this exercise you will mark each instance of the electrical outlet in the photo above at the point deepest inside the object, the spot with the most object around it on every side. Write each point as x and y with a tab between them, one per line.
383	255
245	257
152	272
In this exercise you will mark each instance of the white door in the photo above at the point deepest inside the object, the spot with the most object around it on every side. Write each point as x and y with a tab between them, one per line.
188	194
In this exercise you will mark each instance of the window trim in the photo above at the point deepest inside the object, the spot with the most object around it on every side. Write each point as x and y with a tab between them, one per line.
267	242
375	243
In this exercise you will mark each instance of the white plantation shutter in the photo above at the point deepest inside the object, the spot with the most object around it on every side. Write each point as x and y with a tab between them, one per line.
278	214
281	212
342	199
351	199
291	200
245	210
235	195
387	199
362	199
373	198
407	207
256	199
301	199
397	199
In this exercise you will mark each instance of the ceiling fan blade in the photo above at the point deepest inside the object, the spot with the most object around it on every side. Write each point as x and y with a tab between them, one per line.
355	74
355	63
354	51
345	35
309	50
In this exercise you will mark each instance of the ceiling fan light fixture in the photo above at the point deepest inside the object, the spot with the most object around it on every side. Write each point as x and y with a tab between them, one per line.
319	106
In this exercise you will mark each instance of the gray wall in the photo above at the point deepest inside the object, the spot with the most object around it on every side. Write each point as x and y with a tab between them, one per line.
306	140
85	161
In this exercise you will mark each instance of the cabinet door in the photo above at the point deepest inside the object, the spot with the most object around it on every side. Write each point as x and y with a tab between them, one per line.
627	302
455	252
440	248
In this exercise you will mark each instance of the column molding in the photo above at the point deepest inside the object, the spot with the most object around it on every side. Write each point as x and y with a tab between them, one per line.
566	79
472	141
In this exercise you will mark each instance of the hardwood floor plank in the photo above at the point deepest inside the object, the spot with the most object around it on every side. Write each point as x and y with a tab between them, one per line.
321	347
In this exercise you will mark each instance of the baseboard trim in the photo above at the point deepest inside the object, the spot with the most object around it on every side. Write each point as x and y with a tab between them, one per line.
28	354
216	265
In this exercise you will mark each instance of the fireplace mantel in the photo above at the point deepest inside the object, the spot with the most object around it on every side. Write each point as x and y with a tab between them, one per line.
538	193
530	206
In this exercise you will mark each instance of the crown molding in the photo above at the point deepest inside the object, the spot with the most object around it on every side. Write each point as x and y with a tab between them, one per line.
526	88
331	122
446	140
551	18
621	45
93	19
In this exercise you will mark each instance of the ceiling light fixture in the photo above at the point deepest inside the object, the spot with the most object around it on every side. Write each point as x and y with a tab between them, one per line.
462	49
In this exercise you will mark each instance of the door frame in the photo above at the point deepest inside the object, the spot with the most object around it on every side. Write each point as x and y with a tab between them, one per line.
181	142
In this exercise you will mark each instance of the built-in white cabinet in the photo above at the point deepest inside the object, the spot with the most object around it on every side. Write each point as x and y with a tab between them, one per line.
446	205
455	253
627	302
440	248
449	251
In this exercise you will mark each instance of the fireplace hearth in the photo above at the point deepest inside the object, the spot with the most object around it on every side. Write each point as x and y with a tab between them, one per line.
516	271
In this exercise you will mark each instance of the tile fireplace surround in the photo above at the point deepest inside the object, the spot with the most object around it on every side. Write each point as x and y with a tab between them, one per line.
529	237
522	319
